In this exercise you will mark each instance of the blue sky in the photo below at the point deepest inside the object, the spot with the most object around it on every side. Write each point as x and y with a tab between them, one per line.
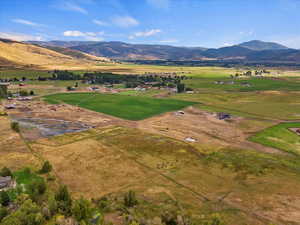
208	23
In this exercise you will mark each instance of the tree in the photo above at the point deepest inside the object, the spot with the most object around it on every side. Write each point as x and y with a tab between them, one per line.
52	204
31	92
130	199
28	214
24	93
82	210
6	172
46	168
4	198
180	88
15	126
36	189
3	213
64	201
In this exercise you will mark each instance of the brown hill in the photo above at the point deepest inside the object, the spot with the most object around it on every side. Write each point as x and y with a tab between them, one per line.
20	54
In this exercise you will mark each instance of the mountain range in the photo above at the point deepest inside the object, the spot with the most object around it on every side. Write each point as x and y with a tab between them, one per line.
248	51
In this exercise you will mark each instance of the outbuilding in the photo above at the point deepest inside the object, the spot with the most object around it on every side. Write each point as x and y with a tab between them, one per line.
5	182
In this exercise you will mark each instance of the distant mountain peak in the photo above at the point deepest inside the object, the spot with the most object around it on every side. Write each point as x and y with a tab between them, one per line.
258	45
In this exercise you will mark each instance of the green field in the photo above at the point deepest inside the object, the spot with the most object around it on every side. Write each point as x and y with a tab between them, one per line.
280	137
126	107
256	84
29	74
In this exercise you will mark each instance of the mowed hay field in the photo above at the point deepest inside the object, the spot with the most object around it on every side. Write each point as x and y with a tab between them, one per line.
243	186
281	137
126	107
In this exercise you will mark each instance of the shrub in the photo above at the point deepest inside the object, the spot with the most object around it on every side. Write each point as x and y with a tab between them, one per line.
31	92
36	189
82	210
23	93
5	172
180	88
130	199
46	168
3	213
4	198
15	126
28	214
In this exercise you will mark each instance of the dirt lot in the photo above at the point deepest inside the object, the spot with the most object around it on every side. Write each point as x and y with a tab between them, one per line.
63	117
205	128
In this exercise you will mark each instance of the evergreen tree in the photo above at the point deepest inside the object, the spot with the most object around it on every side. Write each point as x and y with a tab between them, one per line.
64	200
130	199
46	168
4	198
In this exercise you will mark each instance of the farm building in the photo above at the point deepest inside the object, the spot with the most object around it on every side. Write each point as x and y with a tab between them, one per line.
3	90
5	182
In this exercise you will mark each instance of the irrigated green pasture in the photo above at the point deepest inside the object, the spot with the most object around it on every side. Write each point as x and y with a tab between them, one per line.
243	84
280	137
126	107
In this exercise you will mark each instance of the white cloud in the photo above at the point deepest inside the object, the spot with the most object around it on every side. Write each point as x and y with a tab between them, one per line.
125	21
100	23
27	22
91	36
169	41
227	44
71	6
162	4
74	33
145	33
20	37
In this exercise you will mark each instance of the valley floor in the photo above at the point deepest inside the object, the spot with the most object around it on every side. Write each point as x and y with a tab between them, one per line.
204	164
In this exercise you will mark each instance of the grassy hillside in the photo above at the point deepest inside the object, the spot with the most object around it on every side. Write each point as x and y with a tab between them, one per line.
76	54
17	54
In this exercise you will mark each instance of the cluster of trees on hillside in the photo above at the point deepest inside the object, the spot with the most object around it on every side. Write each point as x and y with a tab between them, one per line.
36	202
65	75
